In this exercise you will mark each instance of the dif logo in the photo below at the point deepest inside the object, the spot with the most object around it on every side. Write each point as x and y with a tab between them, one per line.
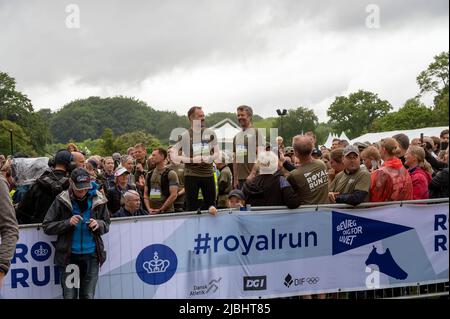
40	276
156	264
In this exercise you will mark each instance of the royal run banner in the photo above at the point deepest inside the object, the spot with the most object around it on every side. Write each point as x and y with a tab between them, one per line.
252	254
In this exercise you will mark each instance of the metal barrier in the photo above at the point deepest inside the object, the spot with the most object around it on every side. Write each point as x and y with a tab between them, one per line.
436	290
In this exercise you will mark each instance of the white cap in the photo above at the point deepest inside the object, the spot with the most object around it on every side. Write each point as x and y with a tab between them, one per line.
120	171
267	163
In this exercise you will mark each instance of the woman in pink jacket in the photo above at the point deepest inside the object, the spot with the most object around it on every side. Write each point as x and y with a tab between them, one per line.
420	176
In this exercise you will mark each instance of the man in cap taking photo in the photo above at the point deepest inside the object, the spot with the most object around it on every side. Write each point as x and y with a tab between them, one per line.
78	216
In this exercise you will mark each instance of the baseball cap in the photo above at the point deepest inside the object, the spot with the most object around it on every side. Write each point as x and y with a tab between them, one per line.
316	152
81	179
63	157
351	149
267	163
237	193
116	156
120	171
361	145
93	163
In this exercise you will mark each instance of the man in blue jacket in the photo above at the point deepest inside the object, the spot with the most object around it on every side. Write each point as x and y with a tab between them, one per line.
79	217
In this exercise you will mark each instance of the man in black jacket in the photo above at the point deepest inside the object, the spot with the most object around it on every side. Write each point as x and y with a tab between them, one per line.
41	195
269	188
132	206
78	217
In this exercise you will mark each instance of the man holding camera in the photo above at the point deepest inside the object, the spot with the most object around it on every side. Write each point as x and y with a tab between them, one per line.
78	216
33	207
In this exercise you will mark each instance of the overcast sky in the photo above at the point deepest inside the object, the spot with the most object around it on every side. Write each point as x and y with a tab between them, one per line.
220	53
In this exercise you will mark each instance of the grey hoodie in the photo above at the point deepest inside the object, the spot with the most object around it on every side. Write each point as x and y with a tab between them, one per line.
9	230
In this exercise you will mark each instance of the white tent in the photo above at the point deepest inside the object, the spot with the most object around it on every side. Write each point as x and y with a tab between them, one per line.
225	131
343	136
376	137
329	140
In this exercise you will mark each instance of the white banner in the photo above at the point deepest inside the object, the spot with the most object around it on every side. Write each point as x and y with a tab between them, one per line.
252	254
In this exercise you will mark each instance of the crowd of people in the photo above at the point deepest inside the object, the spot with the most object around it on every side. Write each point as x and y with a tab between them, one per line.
76	197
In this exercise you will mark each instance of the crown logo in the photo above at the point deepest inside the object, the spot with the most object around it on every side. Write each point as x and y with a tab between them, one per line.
156	265
41	252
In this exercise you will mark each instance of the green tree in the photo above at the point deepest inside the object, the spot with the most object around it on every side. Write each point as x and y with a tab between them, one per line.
108	142
295	122
435	77
267	124
16	107
413	114
440	110
355	114
124	141
322	131
21	141
435	80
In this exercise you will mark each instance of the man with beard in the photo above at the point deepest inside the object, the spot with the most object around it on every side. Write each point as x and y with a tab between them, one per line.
246	146
199	150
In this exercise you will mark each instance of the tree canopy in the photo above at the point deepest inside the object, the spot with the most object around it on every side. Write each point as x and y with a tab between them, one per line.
355	114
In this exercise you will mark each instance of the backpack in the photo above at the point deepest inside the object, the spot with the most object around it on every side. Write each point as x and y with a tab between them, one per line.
164	181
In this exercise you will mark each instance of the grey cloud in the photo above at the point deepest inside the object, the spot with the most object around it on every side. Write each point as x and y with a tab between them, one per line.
128	41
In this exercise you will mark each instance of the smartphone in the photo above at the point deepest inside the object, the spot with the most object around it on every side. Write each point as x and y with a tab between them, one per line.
444	146
421	138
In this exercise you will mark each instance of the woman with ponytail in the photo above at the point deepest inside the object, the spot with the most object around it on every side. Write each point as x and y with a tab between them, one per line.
391	182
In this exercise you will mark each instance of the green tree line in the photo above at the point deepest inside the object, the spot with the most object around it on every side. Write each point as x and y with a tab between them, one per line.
112	124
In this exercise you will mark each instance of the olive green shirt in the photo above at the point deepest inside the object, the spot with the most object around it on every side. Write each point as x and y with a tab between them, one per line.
179	169
345	183
310	182
245	152
204	146
157	199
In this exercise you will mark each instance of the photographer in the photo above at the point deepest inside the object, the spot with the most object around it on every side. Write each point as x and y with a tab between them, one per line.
427	144
33	207
79	217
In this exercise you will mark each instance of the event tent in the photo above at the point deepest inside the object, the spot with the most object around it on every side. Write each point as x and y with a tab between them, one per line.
376	137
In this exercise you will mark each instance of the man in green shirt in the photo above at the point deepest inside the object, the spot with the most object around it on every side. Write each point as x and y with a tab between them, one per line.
199	150
352	185
310	179
179	169
161	185
246	146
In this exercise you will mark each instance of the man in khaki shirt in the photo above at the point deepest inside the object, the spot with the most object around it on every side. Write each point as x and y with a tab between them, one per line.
352	185
161	186
199	149
246	146
310	179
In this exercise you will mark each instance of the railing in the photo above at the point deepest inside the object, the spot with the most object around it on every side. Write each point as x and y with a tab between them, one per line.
436	290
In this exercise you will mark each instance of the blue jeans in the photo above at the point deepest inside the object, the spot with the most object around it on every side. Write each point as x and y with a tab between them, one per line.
88	270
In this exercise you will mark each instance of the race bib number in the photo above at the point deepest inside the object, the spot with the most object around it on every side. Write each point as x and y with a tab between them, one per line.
155	193
241	150
199	149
